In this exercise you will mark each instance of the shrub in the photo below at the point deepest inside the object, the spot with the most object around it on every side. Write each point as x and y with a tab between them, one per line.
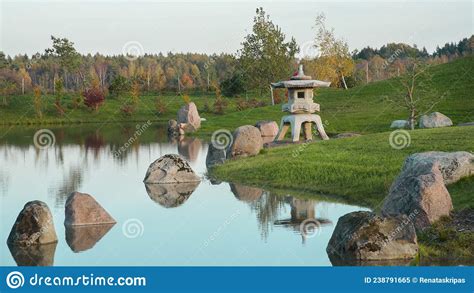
206	108
233	85
254	103
220	105
186	99
241	104
119	86
127	109
160	106
93	98
76	101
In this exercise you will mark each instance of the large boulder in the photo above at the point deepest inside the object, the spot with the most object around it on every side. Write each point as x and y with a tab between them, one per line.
267	128
215	156
173	128
34	225
367	236
247	141
188	114
83	209
434	120
419	193
170	168
171	195
453	166
399	124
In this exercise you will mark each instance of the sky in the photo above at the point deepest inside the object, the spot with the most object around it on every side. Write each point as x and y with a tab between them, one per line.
115	27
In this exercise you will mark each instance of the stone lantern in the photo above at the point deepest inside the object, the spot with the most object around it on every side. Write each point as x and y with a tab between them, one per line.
301	107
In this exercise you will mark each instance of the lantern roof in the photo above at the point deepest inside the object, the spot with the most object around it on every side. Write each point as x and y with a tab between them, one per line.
300	80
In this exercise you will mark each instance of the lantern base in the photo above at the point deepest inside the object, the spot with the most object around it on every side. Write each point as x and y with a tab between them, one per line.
296	121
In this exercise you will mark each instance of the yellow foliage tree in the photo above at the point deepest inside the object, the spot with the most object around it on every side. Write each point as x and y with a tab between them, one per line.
334	62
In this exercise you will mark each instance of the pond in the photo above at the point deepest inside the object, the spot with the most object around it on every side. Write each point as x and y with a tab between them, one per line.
213	223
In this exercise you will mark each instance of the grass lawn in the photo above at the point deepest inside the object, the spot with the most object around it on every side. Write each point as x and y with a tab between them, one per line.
359	169
20	110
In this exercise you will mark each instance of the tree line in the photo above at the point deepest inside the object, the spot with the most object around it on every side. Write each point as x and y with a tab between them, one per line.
266	56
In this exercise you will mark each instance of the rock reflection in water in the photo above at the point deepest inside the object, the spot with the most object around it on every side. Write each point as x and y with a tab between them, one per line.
246	193
171	195
34	255
348	262
189	147
81	238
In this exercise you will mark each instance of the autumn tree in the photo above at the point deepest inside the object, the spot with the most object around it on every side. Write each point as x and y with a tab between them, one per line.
265	56
334	62
25	79
160	79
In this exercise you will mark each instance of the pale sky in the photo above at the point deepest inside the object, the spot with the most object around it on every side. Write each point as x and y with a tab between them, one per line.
214	27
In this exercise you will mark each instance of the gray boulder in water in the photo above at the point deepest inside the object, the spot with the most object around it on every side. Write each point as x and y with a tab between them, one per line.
366	236
170	169
34	225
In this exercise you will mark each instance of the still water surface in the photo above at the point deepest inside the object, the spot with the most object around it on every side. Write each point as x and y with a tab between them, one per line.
217	223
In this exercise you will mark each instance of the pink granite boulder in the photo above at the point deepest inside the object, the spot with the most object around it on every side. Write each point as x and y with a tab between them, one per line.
83	209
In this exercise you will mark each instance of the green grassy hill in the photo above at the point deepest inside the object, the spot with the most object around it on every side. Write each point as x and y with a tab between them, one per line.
365	108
